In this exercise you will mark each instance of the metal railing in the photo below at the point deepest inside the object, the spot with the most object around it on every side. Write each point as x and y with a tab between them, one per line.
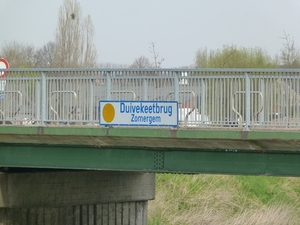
242	98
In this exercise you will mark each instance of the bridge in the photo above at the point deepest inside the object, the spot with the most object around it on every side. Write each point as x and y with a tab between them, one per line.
239	121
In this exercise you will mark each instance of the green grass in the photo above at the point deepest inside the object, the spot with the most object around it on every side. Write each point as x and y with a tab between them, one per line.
222	199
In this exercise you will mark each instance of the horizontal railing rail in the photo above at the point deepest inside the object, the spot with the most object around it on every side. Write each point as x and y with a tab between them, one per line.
207	98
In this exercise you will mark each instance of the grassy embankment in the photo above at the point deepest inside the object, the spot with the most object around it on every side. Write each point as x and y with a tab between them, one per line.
222	199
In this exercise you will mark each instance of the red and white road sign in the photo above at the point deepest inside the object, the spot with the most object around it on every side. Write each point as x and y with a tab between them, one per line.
3	65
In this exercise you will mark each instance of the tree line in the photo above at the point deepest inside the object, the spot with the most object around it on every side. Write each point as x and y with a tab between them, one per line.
73	47
231	56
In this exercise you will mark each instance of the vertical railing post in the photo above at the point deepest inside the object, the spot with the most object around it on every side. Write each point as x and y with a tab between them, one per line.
247	101
176	86
203	103
44	99
91	109
261	101
38	100
145	89
108	86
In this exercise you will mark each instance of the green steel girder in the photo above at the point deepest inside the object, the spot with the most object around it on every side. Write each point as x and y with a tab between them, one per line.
151	150
150	160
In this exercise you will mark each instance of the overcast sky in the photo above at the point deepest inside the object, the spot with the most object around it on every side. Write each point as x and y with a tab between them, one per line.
124	28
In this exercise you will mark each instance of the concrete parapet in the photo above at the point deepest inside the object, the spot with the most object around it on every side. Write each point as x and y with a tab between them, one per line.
75	197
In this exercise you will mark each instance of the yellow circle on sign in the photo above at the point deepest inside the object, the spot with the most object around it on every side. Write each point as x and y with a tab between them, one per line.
108	112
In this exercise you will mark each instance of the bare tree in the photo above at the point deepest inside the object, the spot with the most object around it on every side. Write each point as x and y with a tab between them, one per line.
74	38
144	62
141	62
157	61
44	56
18	55
289	54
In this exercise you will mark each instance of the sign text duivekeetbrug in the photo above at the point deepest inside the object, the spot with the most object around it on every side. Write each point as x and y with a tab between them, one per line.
138	113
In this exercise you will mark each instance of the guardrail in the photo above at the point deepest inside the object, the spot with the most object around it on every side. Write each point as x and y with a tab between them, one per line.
241	98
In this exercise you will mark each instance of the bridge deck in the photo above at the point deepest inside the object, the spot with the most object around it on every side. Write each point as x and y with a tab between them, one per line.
159	139
229	151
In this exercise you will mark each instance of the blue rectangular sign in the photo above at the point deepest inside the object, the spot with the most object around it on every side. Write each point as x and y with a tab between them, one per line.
138	113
